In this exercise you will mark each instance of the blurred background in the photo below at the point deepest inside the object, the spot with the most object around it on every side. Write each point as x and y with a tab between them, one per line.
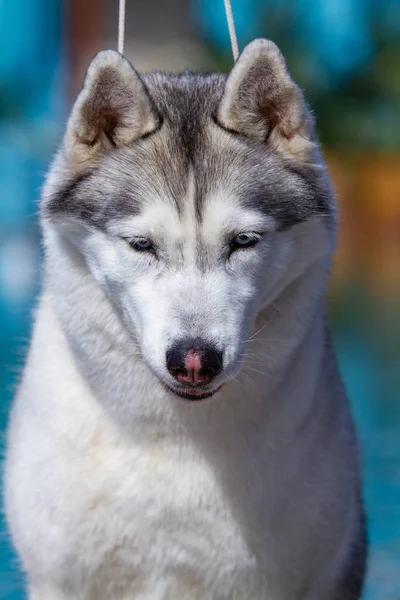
345	54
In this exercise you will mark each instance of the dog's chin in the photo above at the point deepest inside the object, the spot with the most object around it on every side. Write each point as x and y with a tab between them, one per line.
191	394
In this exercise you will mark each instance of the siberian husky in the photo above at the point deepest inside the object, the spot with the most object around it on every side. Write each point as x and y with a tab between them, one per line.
181	429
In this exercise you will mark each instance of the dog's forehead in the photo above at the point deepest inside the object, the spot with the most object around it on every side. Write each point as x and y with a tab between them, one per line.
221	177
217	185
222	212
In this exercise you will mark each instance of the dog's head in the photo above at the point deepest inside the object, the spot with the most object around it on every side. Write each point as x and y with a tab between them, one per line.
194	200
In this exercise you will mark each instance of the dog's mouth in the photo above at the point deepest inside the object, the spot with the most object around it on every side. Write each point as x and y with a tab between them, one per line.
192	394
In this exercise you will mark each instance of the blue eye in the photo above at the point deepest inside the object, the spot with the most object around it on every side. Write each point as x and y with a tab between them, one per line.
141	244
245	240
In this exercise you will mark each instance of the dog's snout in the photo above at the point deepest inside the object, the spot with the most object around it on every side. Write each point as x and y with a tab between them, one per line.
194	363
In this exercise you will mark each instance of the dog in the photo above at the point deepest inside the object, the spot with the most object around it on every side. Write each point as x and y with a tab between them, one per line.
181	429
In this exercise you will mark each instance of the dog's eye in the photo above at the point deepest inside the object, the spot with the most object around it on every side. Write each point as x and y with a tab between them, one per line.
141	244
244	240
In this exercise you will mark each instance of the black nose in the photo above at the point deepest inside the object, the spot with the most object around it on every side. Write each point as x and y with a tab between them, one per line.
194	363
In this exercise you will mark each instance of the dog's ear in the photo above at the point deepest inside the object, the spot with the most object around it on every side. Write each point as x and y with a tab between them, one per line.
261	101
112	110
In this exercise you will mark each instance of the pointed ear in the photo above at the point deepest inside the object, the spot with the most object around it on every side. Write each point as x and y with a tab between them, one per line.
262	102
112	110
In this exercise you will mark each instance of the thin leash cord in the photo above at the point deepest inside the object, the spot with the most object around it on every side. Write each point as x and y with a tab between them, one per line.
232	30
229	19
121	26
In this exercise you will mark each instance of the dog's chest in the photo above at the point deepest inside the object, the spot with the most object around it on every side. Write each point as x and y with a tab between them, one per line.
159	514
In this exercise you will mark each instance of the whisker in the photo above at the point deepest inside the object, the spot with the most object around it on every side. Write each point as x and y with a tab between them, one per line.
268	339
257	371
247	379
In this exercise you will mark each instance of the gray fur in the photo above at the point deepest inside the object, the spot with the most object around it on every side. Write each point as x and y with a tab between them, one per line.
120	181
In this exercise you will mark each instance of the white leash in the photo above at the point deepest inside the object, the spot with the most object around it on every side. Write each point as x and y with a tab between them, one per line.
121	26
232	30
229	19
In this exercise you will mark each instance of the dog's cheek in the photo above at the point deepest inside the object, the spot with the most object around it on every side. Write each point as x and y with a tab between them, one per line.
281	254
103	262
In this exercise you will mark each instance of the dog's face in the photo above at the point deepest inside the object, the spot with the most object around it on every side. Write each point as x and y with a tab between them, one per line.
195	200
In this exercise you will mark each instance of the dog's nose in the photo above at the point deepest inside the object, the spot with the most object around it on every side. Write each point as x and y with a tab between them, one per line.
194	364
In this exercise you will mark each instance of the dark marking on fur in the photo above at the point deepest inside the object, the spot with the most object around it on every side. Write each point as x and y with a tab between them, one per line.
92	199
66	200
